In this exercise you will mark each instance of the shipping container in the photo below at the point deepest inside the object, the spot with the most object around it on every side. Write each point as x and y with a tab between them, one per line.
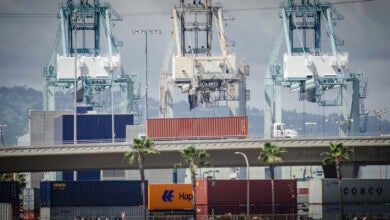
91	193
170	196
44	213
195	128
9	192
29	215
326	191
6	212
92	128
281	211
81	175
102	212
31	200
350	210
221	192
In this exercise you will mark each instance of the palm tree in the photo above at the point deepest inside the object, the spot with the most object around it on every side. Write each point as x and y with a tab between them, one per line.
337	153
271	154
195	158
140	149
18	177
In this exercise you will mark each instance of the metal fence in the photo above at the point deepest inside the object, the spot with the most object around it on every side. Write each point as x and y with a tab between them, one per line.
334	216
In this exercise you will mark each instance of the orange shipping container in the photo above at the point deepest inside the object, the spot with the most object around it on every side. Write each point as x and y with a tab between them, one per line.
170	196
194	128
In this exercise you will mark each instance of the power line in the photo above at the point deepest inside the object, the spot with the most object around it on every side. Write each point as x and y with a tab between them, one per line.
159	13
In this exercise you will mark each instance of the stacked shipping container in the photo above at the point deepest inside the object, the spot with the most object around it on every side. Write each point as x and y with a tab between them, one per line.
92	128
197	128
31	203
91	199
362	197
222	197
9	198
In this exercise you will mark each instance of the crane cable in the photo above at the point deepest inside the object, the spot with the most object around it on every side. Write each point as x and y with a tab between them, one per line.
158	13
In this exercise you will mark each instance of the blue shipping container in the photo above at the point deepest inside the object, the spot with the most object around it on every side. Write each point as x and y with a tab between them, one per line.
91	193
9	193
92	128
82	175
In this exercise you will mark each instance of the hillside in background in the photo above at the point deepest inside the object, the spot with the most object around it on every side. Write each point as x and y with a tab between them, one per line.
16	102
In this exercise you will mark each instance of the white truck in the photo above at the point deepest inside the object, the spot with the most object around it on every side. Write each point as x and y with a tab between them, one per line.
278	130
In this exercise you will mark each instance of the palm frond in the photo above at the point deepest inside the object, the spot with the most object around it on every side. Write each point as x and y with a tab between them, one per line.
271	153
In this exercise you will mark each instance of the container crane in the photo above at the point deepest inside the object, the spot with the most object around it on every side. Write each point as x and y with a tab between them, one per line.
208	78
77	48
308	70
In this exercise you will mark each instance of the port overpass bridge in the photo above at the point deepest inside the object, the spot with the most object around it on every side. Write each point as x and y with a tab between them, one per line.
300	151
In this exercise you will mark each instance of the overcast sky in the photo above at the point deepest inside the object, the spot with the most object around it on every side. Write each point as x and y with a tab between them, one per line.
26	42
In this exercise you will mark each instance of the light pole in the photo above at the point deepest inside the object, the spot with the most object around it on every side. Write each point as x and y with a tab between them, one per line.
146	32
74	20
247	182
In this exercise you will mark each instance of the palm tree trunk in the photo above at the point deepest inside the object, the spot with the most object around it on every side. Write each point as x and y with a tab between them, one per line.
272	172
193	181
339	178
142	174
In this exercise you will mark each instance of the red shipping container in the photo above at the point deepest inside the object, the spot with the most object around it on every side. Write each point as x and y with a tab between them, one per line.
194	128
286	191
221	192
303	191
29	215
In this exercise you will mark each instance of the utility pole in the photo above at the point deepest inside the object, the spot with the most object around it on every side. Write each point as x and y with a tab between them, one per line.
146	32
74	20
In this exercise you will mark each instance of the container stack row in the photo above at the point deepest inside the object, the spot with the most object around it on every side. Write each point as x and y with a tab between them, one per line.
91	199
229	197
31	203
197	128
9	200
361	198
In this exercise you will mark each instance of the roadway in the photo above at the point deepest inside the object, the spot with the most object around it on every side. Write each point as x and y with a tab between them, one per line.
300	151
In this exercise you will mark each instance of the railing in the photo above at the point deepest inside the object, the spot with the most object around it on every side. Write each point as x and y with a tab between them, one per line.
309	216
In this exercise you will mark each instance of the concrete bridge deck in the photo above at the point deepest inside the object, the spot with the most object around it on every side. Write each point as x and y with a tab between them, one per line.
300	151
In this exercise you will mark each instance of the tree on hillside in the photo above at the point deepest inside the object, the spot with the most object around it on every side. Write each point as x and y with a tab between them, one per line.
195	158
140	149
271	154
336	154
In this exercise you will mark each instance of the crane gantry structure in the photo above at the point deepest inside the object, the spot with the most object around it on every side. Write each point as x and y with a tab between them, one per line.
209	79
77	57
308	69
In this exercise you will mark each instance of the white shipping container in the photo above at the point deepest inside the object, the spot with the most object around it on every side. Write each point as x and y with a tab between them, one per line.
326	191
5	211
44	213
333	211
28	199
315	191
302	199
